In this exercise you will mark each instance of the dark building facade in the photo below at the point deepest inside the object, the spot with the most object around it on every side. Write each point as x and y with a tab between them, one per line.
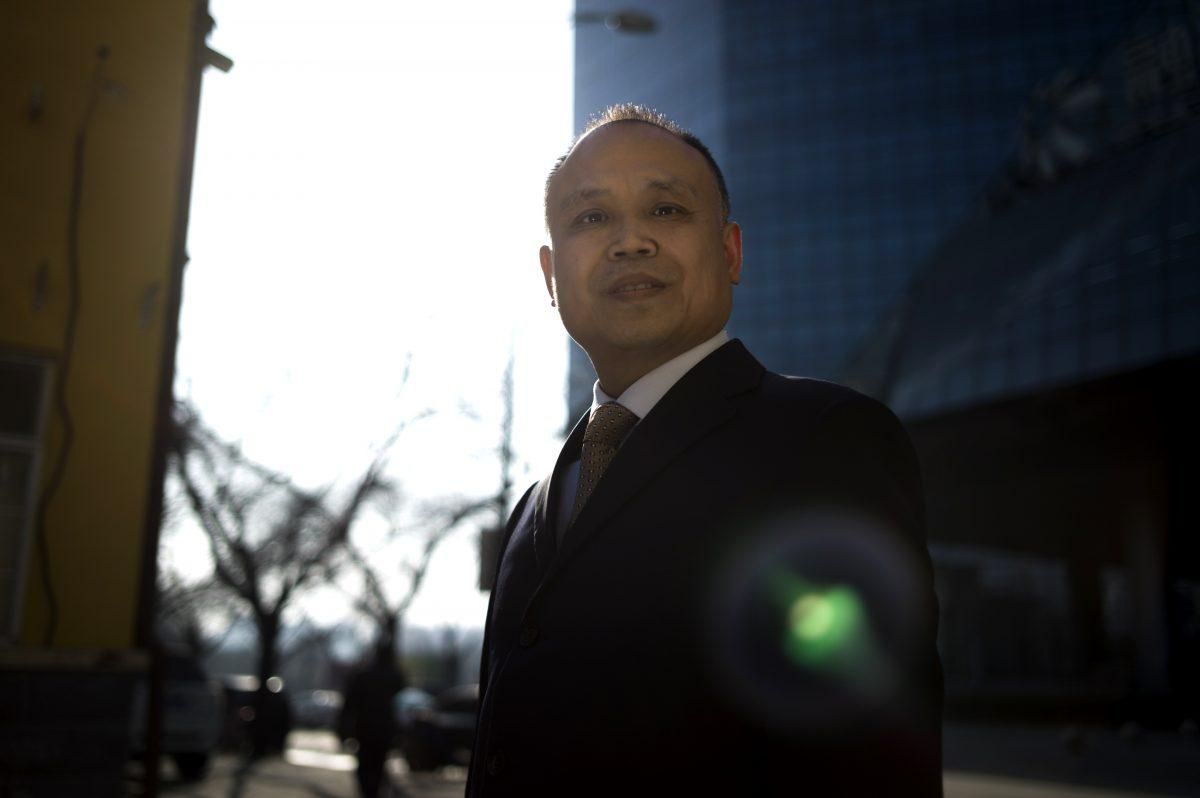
987	214
854	136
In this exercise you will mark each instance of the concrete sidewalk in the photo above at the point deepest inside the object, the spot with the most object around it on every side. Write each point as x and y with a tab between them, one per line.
1100	761
976	785
312	766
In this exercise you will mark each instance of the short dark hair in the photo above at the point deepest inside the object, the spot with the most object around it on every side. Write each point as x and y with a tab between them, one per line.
632	112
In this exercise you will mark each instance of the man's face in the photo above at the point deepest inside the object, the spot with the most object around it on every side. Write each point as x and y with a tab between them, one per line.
640	264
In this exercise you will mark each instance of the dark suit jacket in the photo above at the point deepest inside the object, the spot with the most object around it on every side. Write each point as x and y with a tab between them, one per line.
644	655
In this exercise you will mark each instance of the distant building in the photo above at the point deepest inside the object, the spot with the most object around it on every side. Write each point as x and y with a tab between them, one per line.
96	166
854	136
987	215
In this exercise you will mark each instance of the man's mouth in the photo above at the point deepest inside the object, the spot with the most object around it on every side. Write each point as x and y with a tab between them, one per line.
635	285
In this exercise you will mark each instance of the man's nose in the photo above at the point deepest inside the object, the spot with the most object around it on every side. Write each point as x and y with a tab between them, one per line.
632	242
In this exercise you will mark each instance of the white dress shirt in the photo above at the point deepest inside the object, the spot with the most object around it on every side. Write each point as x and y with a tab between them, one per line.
639	398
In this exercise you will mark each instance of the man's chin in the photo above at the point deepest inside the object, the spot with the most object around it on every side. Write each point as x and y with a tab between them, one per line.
641	340
648	351
624	336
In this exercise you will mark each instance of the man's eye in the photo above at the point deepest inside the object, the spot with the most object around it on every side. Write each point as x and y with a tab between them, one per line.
591	217
666	210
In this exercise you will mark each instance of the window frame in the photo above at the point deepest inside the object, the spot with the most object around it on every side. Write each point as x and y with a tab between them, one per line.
33	445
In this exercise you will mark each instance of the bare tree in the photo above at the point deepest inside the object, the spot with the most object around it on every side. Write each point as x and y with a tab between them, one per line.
384	608
268	538
435	523
195	617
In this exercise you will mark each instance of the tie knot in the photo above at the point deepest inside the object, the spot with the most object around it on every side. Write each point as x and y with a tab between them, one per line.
609	424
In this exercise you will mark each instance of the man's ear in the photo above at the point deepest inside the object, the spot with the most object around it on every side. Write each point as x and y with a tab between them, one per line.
731	240
546	256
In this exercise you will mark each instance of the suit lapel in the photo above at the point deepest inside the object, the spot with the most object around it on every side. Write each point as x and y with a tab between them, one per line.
546	518
694	406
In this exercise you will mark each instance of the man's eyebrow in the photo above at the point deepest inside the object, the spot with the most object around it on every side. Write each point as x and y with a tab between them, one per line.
582	194
672	185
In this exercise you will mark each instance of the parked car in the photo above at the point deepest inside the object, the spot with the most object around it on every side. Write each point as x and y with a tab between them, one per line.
317	709
406	704
442	733
256	721
191	722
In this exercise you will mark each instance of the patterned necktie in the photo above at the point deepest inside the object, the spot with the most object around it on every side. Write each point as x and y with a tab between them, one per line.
607	427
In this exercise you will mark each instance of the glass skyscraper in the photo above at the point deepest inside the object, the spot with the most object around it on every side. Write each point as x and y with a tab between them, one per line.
855	137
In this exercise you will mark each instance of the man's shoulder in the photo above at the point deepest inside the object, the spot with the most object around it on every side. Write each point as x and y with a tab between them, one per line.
806	411
808	394
528	502
742	373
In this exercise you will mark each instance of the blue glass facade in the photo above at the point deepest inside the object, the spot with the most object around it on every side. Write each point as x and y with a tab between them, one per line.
859	134
855	138
1095	276
1086	260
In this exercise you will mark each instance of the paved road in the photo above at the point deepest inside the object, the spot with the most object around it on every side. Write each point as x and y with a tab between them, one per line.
974	785
315	767
1078	761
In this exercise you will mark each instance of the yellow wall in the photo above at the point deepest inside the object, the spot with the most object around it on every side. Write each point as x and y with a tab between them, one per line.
131	192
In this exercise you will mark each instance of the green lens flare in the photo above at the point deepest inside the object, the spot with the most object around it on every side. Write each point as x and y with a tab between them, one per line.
812	617
824	624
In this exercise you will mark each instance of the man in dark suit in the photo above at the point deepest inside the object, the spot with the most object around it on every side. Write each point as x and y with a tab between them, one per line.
723	587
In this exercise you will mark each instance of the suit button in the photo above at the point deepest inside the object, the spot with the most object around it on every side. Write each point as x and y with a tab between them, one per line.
495	764
528	635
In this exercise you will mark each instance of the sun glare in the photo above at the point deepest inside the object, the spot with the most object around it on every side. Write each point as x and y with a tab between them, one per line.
367	200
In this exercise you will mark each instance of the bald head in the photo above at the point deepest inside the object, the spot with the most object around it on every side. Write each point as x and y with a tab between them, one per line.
630	113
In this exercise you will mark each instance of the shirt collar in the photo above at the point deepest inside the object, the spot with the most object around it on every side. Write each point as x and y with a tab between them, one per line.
641	397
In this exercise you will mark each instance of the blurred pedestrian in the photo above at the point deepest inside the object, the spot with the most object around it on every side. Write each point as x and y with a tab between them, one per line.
367	716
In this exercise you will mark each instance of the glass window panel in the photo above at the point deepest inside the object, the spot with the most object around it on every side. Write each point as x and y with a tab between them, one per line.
20	397
1103	351
15	469
1062	358
1184	328
1143	340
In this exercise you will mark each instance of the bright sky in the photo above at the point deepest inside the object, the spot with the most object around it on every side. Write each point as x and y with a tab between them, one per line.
368	188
